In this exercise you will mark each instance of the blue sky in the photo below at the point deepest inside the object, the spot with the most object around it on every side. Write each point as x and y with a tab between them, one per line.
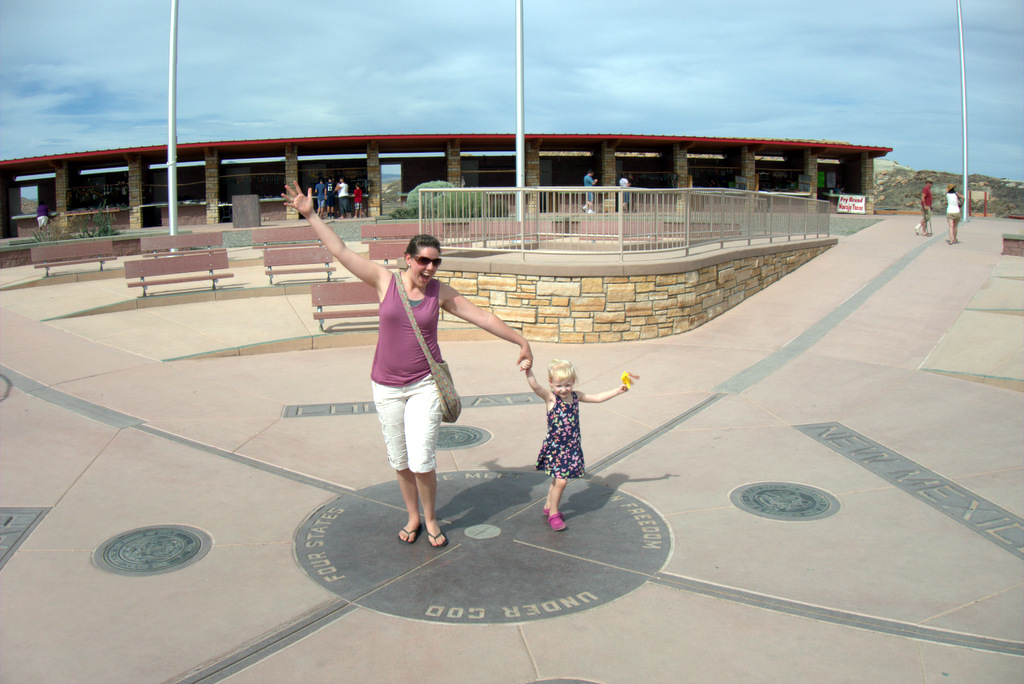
880	73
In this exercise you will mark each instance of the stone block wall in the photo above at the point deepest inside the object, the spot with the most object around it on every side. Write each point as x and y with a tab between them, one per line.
291	174
619	307
373	203
212	168
453	162
136	173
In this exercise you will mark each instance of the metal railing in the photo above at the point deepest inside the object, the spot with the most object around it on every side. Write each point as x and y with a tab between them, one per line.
614	220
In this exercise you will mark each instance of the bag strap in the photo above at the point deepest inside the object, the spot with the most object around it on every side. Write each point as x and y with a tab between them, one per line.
415	326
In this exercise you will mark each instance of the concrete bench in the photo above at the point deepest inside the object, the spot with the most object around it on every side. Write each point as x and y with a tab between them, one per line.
298	260
291	236
71	253
164	245
346	294
1013	244
176	269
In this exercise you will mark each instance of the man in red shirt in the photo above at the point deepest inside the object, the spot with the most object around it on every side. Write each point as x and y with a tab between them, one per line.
925	226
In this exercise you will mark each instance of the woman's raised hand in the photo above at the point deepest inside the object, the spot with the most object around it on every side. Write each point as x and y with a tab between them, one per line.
295	198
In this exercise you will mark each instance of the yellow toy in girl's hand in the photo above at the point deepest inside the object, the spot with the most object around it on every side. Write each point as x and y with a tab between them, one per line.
628	378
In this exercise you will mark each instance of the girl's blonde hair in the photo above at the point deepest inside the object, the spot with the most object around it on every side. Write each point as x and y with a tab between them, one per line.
560	371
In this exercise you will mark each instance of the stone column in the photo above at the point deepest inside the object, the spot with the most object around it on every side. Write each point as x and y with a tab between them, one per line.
867	182
62	182
606	176
6	225
373	179
811	169
607	170
212	185
532	165
291	175
532	175
748	167
681	165
453	162
135	198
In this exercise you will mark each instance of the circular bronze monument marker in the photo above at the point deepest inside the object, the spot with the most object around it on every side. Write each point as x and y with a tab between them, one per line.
785	501
503	563
461	437
152	550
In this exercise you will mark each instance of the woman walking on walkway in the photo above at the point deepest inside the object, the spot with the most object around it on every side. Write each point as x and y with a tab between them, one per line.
954	202
407	400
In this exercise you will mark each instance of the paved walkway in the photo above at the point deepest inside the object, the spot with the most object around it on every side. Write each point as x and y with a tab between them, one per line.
822	484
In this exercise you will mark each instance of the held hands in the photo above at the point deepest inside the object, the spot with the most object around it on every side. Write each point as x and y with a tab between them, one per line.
525	360
303	203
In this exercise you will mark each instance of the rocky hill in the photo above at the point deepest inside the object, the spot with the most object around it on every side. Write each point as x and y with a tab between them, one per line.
899	187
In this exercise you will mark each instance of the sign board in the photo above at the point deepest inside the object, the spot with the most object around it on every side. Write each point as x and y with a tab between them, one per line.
852	204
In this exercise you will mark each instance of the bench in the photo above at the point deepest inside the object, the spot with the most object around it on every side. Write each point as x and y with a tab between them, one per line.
163	245
181	268
70	253
344	294
390	231
290	236
388	241
384	251
1013	244
294	260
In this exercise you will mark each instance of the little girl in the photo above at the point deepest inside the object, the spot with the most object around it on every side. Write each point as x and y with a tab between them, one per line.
561	455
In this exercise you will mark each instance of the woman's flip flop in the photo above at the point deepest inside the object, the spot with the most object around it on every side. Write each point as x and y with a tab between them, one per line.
434	537
411	536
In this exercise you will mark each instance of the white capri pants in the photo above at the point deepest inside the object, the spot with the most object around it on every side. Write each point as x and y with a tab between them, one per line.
409	418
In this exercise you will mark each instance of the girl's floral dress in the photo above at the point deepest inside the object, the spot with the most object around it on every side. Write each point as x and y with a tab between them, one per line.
561	454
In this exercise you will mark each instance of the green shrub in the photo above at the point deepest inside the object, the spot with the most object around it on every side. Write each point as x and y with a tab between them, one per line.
404	212
413	199
98	225
54	232
450	204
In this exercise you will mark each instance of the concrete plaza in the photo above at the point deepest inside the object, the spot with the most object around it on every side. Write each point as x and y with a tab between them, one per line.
885	378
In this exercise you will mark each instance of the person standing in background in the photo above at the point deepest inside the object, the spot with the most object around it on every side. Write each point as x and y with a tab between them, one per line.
588	182
925	226
954	204
357	195
344	200
320	191
329	193
42	215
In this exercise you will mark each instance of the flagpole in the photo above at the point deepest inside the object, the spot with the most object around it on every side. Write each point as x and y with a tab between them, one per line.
520	115
172	136
966	209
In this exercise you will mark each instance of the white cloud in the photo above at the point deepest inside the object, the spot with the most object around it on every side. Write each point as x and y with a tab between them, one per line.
880	73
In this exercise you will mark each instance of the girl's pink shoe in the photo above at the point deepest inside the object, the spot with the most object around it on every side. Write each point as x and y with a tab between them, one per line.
556	522
546	512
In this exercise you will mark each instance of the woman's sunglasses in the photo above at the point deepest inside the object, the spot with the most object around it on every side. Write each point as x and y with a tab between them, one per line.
425	261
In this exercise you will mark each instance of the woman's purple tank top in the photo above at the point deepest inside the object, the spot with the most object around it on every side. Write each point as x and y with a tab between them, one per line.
399	361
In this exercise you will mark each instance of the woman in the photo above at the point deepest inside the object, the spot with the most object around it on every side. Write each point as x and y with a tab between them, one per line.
407	400
954	201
